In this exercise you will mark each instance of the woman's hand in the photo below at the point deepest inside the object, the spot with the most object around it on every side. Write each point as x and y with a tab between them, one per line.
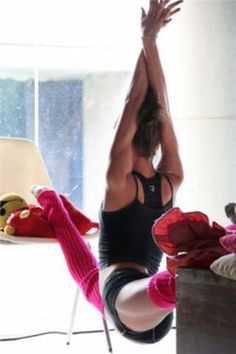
158	16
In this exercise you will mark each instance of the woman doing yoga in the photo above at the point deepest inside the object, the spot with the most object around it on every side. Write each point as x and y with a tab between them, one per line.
138	299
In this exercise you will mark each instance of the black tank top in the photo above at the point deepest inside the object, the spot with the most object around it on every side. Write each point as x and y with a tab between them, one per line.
125	234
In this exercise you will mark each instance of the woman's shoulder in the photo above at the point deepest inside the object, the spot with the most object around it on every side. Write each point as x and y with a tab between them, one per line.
120	195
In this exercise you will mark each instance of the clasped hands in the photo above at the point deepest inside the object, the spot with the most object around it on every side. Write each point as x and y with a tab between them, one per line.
159	14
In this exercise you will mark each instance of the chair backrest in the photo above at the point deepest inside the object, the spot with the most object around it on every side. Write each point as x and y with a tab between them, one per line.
21	166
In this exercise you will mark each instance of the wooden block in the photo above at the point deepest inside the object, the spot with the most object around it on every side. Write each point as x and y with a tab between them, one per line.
206	312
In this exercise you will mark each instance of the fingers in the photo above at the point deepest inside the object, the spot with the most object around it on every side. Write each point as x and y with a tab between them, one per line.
156	6
152	7
174	4
174	12
167	21
171	10
169	13
161	10
163	3
143	13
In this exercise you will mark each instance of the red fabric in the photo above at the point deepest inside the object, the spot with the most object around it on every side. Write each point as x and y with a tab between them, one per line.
80	220
188	239
37	225
229	242
31	223
161	290
231	228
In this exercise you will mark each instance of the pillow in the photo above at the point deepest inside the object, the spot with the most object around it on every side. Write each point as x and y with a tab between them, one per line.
229	242
225	266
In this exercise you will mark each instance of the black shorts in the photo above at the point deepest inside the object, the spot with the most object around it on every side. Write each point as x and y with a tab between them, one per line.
113	285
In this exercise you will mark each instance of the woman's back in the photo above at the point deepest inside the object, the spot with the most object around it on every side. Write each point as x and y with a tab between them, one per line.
125	234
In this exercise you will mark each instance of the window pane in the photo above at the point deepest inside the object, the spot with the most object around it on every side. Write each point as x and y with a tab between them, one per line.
17	108
61	134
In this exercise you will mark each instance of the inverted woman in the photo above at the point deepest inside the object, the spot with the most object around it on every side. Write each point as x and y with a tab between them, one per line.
138	299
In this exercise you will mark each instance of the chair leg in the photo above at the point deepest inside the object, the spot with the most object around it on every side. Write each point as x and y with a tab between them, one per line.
72	320
107	334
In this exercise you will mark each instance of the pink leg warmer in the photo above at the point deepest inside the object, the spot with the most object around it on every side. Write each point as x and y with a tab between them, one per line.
161	290
80	260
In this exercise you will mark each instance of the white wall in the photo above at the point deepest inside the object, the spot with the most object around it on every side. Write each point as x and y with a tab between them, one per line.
204	106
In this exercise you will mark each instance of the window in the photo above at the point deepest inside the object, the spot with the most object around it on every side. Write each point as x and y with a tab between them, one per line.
16	108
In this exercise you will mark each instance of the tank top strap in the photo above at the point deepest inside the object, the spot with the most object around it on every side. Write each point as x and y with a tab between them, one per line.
169	181
136	185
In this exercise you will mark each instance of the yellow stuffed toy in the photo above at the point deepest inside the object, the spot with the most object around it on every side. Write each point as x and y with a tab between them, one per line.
9	203
20	219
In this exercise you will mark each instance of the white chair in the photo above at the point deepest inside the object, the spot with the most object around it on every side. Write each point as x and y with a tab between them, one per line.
21	166
72	320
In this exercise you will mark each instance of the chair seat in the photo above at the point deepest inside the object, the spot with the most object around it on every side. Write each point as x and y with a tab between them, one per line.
5	238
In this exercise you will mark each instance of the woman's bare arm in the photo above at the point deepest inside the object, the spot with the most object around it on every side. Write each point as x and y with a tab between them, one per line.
121	154
157	17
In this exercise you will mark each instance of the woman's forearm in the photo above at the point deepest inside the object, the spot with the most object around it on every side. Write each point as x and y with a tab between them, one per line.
170	160
139	84
121	154
128	122
159	14
155	72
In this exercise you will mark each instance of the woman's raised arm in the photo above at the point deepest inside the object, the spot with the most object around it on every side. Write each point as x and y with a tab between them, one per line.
158	16
121	156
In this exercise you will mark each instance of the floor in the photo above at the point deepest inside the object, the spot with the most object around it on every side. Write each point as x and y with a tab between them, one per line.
37	294
88	342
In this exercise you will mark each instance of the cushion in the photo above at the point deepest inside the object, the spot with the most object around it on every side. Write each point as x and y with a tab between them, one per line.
225	266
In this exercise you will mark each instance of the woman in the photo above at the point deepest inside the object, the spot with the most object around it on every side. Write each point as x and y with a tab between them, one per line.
138	300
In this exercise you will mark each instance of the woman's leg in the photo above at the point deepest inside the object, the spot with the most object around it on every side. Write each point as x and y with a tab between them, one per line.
80	260
142	304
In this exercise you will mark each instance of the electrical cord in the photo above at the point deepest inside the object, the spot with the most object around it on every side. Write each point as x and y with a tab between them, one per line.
55	332
51	332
